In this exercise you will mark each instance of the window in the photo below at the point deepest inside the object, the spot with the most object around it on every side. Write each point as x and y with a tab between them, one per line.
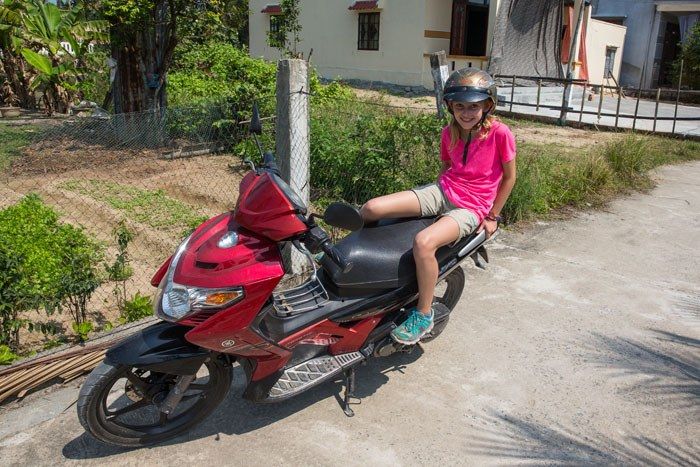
609	61
276	39
470	21
368	31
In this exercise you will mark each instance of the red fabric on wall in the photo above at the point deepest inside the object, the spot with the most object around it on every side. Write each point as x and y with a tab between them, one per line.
582	56
566	42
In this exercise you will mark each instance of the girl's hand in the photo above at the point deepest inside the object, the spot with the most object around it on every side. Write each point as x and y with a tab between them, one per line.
489	226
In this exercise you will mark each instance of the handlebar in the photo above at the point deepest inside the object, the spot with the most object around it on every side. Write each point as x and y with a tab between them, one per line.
336	256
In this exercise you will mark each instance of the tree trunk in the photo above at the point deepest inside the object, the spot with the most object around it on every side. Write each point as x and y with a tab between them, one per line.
19	81
143	58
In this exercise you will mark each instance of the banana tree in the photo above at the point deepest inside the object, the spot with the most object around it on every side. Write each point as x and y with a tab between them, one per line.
55	44
12	64
57	81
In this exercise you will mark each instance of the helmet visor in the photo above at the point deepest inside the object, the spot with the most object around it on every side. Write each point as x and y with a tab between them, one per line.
466	94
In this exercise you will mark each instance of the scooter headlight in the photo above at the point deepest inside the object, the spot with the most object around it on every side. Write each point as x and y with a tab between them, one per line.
178	301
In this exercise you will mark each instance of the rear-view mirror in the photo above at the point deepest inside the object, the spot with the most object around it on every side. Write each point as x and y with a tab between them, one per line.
255	126
344	216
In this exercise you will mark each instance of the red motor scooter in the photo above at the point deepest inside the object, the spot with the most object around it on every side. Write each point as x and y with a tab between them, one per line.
220	303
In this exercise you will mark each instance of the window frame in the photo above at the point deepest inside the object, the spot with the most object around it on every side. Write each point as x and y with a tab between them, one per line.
274	21
367	43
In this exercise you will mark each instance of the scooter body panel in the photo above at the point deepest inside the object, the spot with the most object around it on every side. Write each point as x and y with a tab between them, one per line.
161	347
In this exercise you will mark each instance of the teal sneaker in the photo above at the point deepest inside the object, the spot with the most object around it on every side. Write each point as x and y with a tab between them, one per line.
416	326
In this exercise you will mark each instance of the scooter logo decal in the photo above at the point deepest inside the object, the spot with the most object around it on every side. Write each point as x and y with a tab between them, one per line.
228	343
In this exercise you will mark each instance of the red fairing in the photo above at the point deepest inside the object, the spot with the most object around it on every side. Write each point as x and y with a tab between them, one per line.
264	209
163	269
340	339
254	263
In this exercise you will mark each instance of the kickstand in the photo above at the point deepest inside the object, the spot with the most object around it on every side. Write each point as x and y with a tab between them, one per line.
349	392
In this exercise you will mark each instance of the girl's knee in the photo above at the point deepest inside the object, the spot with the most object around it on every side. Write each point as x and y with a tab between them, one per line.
370	210
423	245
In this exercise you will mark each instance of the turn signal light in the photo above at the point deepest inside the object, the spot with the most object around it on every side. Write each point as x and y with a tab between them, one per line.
221	298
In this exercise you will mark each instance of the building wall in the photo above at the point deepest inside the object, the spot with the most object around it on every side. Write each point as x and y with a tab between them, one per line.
438	18
640	23
331	30
645	33
599	36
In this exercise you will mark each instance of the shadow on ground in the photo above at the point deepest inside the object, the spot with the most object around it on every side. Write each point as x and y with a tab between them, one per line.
237	416
668	367
518	439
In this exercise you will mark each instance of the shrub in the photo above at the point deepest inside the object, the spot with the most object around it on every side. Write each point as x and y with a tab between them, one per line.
7	356
43	265
359	151
140	306
120	271
83	329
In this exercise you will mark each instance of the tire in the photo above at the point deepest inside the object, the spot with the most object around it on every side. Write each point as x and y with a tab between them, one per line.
105	381
454	285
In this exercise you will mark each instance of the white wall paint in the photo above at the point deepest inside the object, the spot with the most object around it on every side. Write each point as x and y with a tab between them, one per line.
331	30
599	36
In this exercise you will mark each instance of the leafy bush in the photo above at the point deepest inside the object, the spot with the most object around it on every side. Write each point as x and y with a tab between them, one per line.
140	306
43	265
218	71
120	271
83	329
690	54
359	151
7	356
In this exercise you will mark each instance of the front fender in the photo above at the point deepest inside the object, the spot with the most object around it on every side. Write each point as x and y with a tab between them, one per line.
161	347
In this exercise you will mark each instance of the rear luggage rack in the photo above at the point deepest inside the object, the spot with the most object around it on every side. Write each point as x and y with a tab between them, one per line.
305	297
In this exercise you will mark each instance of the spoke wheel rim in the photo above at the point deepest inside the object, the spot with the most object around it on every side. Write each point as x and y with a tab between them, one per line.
152	392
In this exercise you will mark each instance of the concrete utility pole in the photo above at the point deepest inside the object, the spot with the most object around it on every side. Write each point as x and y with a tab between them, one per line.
440	72
292	140
573	54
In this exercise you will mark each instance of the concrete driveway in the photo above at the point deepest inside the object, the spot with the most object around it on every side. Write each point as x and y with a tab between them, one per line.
580	344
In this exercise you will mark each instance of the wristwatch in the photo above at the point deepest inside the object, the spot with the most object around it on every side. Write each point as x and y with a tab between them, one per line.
491	217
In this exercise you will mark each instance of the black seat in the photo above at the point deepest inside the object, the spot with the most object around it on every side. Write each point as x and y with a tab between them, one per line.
382	255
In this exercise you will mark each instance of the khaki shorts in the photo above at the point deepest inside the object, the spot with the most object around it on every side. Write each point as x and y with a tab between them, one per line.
433	202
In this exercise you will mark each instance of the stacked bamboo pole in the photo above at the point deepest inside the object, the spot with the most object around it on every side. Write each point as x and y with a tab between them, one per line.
18	380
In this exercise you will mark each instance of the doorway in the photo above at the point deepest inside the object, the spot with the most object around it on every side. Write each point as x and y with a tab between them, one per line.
672	37
470	21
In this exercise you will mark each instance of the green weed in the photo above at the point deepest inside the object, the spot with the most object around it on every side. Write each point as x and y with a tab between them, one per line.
13	139
150	207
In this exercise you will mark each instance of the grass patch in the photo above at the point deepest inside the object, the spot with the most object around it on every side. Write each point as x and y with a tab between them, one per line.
551	177
150	207
13	139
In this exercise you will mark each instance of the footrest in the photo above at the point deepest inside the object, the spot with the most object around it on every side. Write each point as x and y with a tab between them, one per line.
311	372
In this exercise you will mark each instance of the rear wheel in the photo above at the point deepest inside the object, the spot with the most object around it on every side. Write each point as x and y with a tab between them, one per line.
118	404
448	293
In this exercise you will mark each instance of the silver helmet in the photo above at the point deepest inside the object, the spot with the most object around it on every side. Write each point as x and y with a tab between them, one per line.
470	85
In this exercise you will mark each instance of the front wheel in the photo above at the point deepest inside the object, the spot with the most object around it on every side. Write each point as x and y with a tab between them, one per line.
118	404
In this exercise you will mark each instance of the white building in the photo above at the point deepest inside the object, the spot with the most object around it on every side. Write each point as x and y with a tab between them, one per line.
391	40
654	29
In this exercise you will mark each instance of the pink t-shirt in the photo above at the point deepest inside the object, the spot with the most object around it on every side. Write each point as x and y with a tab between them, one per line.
474	185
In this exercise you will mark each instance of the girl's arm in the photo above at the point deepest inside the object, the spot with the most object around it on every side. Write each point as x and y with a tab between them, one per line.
504	189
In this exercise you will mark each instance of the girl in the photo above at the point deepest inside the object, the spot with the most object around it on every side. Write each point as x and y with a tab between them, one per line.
477	176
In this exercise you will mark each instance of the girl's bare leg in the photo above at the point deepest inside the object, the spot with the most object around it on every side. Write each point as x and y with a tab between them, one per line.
402	204
443	232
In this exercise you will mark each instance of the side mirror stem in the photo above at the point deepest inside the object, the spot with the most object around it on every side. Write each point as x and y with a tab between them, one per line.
257	143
